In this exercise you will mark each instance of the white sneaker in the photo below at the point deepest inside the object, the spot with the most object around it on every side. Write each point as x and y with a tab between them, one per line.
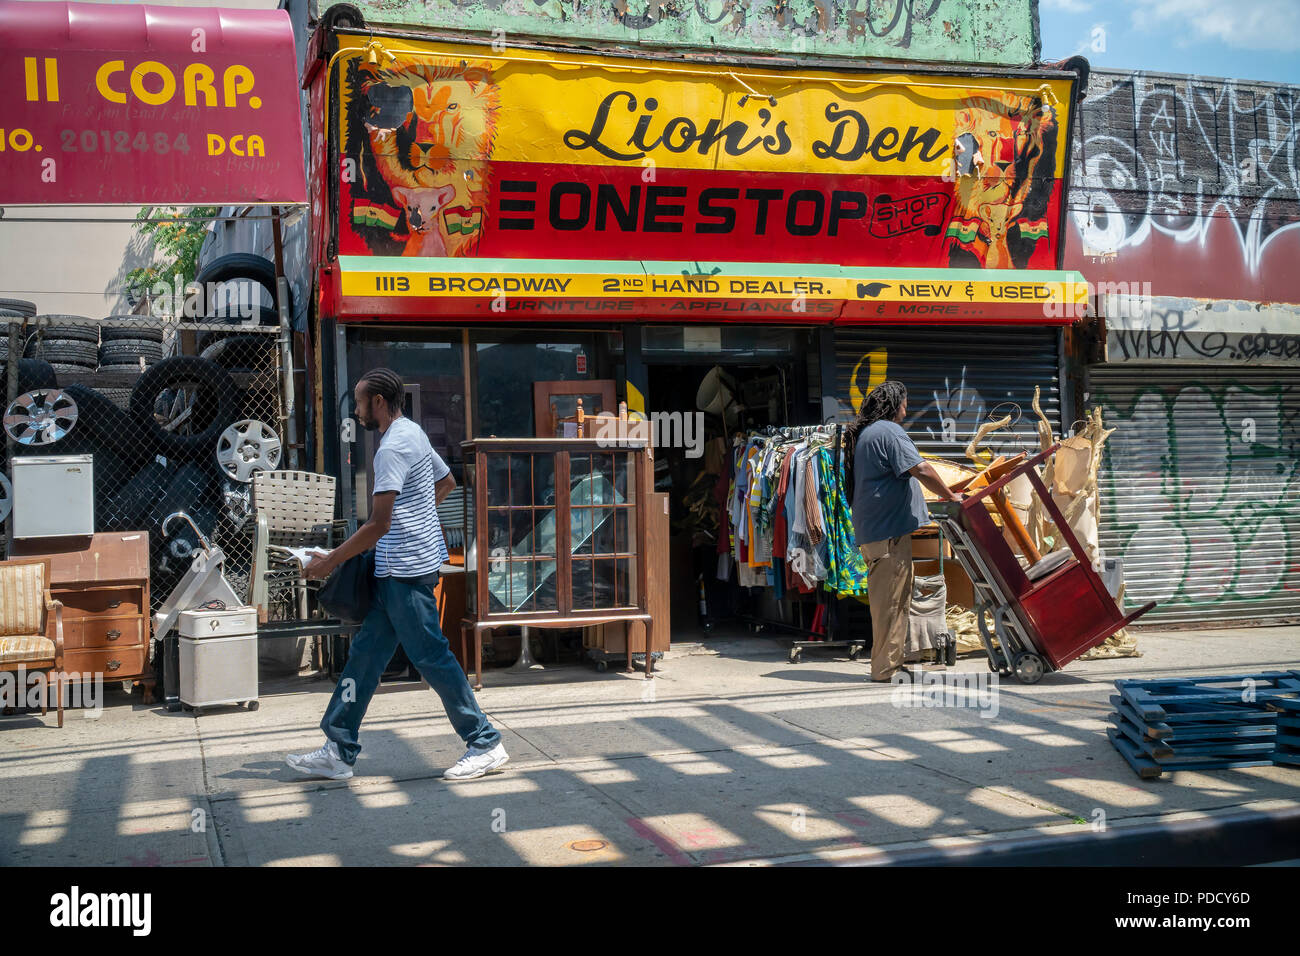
475	763
325	762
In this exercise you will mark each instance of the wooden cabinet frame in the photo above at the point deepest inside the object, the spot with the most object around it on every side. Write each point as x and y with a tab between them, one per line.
562	450
543	392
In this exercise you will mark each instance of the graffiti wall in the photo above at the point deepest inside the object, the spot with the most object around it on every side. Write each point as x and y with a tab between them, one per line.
1201	488
993	32
1187	183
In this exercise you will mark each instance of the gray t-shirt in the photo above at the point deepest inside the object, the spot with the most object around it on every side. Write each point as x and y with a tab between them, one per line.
887	501
406	463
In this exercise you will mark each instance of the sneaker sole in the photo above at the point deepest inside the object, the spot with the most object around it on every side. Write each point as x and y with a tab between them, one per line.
316	774
482	773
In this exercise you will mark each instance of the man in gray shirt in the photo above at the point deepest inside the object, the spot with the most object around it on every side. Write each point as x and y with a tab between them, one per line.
885	472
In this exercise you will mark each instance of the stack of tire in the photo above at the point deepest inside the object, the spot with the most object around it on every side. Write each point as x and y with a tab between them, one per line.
31	373
236	351
145	471
128	345
12	310
70	343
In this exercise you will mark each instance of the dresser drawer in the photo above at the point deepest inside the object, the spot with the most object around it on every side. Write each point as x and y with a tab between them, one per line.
103	632
116	663
99	602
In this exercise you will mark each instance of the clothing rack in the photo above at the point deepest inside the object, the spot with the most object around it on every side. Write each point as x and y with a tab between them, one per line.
823	597
854	646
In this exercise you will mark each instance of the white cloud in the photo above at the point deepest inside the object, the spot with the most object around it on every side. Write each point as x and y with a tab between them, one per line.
1067	6
1244	24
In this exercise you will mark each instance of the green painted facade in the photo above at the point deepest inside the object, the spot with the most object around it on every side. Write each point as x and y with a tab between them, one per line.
988	32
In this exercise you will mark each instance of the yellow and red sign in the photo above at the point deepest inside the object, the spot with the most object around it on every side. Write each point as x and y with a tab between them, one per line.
451	151
397	287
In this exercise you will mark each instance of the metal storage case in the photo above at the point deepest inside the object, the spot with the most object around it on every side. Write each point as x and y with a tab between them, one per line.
231	622
54	497
218	657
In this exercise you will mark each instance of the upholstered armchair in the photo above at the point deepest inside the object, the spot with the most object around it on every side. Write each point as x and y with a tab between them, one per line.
31	625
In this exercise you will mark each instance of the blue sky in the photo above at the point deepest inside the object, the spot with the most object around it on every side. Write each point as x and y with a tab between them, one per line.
1242	39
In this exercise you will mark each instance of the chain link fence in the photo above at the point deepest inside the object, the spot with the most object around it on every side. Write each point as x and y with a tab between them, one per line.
177	416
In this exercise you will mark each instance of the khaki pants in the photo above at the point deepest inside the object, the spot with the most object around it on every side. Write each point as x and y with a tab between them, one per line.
889	589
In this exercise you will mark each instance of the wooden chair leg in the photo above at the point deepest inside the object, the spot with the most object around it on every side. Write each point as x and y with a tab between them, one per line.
58	695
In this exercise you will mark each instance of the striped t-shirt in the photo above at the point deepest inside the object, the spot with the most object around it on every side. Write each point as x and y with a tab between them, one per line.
406	463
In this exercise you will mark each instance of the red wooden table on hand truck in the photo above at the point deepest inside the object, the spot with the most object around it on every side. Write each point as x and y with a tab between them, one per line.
1044	615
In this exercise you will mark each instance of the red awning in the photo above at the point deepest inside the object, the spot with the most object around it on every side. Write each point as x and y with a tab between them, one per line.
107	103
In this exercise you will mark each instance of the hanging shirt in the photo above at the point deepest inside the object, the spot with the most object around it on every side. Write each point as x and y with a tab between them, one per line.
887	501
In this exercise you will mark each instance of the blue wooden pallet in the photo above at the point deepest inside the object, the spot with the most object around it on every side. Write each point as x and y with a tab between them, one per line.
1194	720
1154	700
1165	749
1150	769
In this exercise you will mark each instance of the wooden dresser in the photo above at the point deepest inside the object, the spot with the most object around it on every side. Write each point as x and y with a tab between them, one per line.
103	583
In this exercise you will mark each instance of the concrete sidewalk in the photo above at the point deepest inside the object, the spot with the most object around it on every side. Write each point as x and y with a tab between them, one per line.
730	754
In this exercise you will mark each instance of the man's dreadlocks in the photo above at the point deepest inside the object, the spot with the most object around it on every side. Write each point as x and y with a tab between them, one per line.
882	404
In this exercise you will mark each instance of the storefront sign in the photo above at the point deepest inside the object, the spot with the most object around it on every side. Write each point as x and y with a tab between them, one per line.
456	151
136	104
713	291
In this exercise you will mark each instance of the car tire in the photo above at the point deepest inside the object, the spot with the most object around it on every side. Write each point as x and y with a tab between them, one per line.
67	327
65	352
20	306
215	408
121	328
238	265
73	372
129	508
128	351
207	338
240	353
190	487
113	428
32	374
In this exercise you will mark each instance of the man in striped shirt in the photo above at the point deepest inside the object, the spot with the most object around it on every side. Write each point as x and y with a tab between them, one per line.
410	480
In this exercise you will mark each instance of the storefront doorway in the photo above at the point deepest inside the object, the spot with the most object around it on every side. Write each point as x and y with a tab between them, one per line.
710	387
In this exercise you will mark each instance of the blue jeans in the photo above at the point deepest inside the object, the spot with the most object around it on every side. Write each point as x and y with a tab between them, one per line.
406	613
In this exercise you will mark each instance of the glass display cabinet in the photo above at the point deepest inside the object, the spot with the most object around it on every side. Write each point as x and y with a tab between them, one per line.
554	528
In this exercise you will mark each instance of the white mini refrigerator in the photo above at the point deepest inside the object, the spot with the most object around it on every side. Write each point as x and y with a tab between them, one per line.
54	497
218	657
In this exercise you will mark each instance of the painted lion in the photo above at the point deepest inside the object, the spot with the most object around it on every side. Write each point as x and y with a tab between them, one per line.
1001	211
429	128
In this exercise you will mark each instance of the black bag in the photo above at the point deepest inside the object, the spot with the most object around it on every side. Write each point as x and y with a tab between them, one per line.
347	593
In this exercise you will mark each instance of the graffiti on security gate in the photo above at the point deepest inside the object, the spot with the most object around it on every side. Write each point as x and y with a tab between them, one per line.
950	415
1201	495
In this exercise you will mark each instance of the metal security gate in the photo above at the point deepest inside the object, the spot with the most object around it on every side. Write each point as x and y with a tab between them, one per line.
1199	488
957	378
